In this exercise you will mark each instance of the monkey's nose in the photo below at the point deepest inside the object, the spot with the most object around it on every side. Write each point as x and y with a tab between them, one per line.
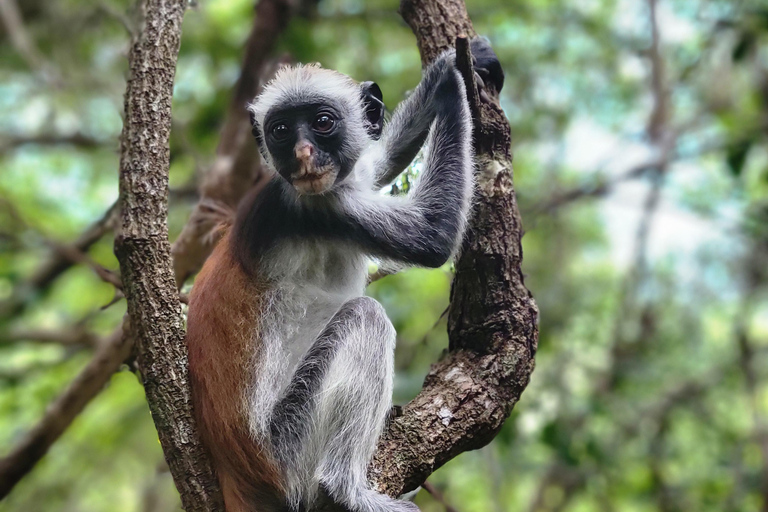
304	151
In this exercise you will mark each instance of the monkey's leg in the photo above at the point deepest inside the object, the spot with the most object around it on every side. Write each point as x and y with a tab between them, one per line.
356	401
331	418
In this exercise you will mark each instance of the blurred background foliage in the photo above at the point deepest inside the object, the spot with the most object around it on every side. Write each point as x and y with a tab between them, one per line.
642	174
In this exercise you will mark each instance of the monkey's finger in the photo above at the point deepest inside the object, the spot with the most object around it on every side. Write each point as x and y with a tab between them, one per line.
481	89
479	81
483	72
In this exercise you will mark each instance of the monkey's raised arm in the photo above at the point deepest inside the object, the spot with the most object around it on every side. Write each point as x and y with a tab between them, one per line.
423	228
308	130
405	134
426	227
407	131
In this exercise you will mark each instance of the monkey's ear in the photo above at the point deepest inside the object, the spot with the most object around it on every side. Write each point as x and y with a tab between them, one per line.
374	108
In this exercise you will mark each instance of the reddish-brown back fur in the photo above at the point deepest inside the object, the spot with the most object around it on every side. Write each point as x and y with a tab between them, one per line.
222	341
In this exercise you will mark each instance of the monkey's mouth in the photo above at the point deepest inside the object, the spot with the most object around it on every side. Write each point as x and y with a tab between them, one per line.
314	183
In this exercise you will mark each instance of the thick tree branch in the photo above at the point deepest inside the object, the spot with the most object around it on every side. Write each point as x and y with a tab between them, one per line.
492	321
144	252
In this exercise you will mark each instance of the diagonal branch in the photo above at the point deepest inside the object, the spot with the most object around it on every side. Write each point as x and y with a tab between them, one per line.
22	42
56	265
438	496
492	321
62	411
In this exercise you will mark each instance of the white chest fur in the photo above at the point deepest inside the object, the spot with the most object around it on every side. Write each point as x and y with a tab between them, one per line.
310	280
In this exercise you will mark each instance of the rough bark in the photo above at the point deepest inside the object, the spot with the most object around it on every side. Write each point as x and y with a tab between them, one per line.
144	251
492	321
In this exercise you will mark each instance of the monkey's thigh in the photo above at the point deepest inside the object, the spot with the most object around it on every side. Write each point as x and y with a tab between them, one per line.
355	400
350	369
326	425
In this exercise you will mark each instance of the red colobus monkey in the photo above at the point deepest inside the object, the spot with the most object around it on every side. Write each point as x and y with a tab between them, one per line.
291	365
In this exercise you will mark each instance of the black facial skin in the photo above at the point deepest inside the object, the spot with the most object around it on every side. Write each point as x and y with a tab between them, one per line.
320	124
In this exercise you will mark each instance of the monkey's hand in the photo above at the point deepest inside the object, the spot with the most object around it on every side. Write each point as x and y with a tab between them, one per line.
488	72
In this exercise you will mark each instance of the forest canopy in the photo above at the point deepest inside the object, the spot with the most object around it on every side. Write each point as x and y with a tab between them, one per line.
641	172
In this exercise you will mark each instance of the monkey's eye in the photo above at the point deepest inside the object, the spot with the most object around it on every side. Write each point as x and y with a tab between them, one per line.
323	123
280	131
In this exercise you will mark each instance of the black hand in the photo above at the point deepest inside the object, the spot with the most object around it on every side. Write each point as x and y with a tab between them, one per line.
486	65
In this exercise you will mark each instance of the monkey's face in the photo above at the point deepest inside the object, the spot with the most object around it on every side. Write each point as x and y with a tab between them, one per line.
306	143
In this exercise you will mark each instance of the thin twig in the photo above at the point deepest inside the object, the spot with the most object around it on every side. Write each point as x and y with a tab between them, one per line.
438	496
595	188
120	16
78	140
22	42
76	256
55	265
72	253
74	336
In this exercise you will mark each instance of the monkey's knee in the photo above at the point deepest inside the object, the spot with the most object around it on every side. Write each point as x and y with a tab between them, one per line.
367	318
365	354
363	309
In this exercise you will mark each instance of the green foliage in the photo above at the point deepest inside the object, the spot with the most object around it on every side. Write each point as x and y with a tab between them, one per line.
649	392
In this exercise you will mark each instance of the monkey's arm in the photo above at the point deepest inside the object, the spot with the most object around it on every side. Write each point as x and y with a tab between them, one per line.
426	227
406	132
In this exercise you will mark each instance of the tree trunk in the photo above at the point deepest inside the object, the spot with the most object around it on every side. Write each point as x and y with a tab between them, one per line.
144	252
